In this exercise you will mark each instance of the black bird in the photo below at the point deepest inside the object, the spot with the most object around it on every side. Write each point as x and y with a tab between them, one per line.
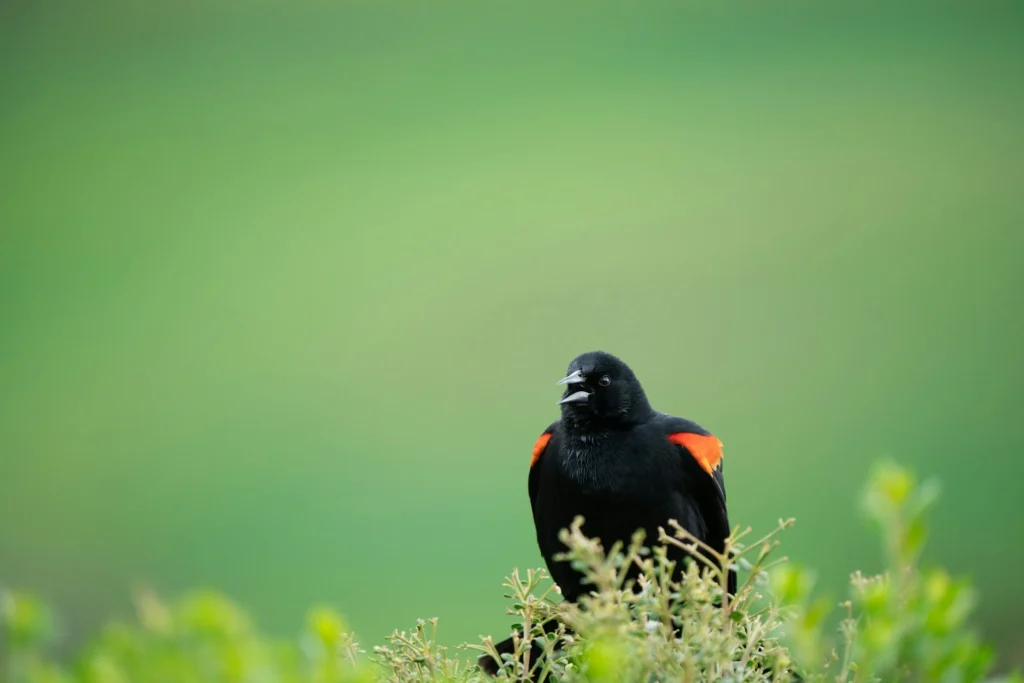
624	466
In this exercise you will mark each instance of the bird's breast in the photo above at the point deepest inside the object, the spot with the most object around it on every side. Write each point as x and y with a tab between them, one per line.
602	467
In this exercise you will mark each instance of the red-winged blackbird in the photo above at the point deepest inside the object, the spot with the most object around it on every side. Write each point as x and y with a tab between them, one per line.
623	466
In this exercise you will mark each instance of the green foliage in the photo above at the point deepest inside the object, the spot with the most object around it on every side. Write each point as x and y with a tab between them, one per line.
645	630
910	623
202	637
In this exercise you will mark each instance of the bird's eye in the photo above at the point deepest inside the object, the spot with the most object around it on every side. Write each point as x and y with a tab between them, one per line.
604	381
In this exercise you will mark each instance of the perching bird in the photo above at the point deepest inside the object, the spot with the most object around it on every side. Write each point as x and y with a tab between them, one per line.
623	466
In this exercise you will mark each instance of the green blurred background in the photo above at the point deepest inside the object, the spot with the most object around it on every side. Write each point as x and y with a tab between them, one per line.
284	291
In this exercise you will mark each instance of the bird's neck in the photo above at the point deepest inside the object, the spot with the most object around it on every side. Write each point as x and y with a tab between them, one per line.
585	426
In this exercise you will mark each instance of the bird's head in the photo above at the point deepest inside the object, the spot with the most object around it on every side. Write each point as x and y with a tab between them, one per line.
601	390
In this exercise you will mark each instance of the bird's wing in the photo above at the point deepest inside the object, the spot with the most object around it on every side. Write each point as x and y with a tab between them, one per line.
538	450
700	445
705	481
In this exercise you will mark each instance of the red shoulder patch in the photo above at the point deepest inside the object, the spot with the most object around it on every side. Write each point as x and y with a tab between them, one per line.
539	447
706	450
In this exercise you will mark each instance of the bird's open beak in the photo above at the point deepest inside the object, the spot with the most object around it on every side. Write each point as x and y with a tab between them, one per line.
577	397
574	378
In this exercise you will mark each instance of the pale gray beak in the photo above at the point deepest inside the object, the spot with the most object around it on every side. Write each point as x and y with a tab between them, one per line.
578	397
574	378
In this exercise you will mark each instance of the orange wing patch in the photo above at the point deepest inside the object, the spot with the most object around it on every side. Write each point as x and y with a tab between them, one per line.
706	450
539	447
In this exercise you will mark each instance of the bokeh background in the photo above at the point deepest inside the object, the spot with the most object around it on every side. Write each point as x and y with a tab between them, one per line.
285	290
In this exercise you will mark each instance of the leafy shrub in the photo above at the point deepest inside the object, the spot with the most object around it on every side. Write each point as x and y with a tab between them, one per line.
907	624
